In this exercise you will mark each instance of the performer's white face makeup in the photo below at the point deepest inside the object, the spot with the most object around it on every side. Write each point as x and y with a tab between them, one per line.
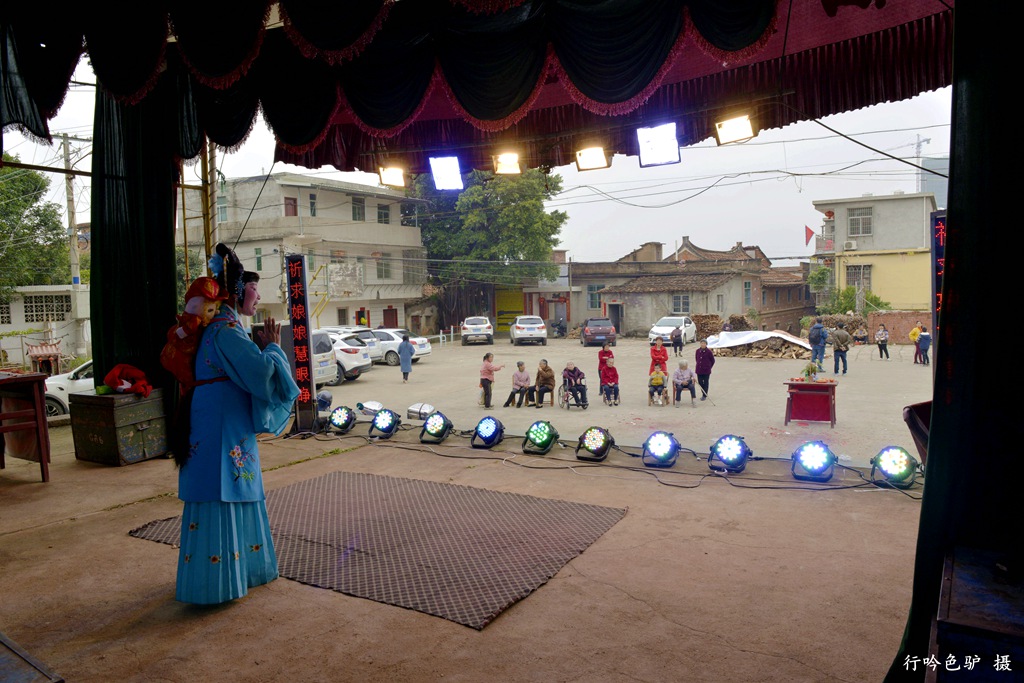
251	297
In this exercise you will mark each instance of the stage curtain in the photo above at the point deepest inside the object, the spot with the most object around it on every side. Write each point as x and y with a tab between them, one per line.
48	52
219	40
17	109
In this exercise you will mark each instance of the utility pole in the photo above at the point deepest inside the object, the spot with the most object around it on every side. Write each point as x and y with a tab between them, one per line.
76	275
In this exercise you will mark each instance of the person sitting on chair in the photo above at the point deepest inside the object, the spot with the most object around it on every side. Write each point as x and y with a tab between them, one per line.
684	378
610	382
656	386
545	382
575	382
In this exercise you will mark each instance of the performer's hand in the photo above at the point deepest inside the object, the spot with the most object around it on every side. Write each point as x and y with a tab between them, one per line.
271	332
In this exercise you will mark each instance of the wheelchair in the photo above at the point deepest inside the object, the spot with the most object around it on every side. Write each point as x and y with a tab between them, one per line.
566	399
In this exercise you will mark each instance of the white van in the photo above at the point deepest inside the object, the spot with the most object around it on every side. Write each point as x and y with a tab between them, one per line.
325	368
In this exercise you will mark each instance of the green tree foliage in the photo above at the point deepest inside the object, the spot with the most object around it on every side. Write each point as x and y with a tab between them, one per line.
33	243
842	300
196	268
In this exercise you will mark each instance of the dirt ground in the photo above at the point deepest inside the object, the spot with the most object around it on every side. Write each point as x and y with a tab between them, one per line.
754	577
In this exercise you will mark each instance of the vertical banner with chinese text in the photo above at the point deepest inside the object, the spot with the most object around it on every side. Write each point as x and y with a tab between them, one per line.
938	222
298	313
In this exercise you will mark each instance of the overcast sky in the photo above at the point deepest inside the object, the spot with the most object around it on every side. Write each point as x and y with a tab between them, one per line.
759	192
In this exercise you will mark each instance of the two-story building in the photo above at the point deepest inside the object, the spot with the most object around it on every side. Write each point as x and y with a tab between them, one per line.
879	244
56	315
364	254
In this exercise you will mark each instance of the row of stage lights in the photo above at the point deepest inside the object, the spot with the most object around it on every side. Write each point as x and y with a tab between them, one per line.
813	461
657	146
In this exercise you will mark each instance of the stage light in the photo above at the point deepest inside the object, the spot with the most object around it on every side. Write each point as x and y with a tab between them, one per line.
446	173
385	423
815	462
658	145
736	129
489	431
897	466
595	442
507	163
540	437
732	452
391	175
660	450
435	428
342	419
591	158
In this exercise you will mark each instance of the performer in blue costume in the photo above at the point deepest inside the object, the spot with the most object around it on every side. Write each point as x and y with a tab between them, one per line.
240	391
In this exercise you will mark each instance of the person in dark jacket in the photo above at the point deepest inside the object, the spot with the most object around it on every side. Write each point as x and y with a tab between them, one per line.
705	359
924	342
841	341
817	336
574	380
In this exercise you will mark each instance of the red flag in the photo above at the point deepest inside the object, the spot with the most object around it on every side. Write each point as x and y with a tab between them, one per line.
808	233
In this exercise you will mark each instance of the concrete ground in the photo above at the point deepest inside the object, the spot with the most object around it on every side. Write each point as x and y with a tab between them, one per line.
752	578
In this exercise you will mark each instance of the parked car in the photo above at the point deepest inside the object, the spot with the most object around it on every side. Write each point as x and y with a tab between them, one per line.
364	333
390	339
325	367
663	328
597	331
59	386
352	357
475	328
528	328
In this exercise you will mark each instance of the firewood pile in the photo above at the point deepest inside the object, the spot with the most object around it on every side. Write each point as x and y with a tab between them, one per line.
574	333
773	347
708	325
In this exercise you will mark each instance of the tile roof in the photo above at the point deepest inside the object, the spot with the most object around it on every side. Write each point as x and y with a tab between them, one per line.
696	282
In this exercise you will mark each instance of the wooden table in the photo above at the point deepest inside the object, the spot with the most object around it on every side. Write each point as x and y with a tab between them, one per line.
811	401
23	408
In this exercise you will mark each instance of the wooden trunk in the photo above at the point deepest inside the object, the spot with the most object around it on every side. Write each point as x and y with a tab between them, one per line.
118	429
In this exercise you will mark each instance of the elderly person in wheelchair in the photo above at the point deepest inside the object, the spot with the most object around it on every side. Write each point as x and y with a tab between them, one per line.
574	384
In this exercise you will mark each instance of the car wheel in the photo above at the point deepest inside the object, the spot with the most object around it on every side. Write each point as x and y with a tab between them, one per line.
352	378
544	342
339	379
464	342
391	358
490	341
615	343
415	360
515	342
54	408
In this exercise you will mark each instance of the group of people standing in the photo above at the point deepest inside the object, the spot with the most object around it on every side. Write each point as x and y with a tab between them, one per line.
818	335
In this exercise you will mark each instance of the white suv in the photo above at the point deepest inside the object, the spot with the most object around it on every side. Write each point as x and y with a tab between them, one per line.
528	328
477	327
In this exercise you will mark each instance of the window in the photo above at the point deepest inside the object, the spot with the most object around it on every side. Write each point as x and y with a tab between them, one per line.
593	298
859	222
384	267
343	316
764	297
859	277
359	208
5	314
776	296
747	292
680	303
338	255
720	303
291	206
310	261
312	205
383	213
259	258
222	209
789	295
43	307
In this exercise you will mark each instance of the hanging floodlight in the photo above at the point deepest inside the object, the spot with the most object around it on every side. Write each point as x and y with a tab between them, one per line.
540	437
446	173
436	428
507	163
660	450
897	466
658	145
391	175
813	462
595	443
591	158
736	129
732	452
342	419
489	431
385	423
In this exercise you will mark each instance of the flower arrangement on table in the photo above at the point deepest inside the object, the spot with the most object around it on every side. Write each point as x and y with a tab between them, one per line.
809	373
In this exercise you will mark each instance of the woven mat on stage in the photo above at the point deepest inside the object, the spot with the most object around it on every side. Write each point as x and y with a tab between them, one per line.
461	553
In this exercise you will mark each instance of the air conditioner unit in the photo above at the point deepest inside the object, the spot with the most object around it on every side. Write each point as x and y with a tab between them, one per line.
850	245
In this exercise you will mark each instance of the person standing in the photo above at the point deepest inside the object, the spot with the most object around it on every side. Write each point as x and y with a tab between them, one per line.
487	371
545	382
659	356
816	337
684	378
840	345
520	385
705	360
677	341
405	353
915	335
610	383
924	342
226	547
882	339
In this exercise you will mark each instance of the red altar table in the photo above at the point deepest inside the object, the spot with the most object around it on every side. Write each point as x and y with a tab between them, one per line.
23	408
811	401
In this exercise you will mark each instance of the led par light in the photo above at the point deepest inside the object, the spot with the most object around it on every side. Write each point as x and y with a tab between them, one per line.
732	452
813	462
342	419
436	428
660	450
489	431
385	423
540	437
595	444
897	466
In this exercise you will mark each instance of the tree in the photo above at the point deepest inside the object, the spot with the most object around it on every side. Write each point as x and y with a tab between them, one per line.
495	232
842	300
33	243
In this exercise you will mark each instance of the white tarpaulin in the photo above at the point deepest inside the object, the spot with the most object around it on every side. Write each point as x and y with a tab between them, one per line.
726	339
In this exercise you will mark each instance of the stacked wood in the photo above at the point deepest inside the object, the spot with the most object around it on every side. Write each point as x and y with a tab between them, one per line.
574	333
773	347
708	325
